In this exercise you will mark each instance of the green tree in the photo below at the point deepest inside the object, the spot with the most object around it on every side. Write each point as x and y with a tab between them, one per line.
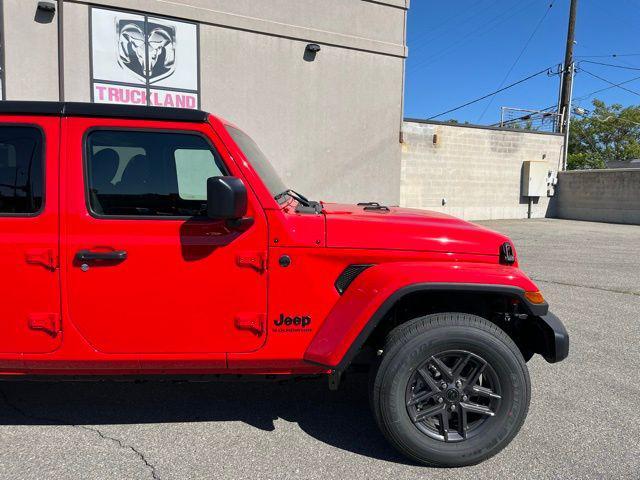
609	133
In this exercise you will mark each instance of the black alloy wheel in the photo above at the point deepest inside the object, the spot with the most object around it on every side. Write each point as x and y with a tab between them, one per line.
450	389
452	395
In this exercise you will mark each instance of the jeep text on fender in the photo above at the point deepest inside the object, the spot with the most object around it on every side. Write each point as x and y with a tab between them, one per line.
140	240
298	323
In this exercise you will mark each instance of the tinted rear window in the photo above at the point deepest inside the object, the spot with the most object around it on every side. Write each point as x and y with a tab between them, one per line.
21	170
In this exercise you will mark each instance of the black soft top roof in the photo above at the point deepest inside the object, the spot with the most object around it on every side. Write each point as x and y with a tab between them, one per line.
77	109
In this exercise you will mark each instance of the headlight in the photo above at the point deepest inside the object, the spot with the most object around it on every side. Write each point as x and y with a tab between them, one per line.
507	254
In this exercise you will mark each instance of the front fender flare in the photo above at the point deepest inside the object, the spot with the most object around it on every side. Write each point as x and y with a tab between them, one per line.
372	295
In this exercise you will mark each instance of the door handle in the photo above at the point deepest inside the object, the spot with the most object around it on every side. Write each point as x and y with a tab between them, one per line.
92	256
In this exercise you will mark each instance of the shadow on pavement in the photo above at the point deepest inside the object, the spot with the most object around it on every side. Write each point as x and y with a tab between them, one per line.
341	419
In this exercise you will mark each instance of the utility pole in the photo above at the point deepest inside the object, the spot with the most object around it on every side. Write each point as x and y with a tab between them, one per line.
567	79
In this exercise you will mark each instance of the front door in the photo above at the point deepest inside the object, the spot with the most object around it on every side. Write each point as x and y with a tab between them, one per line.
30	281
145	271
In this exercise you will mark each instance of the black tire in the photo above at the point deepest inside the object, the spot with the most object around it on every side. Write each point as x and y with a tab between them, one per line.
422	348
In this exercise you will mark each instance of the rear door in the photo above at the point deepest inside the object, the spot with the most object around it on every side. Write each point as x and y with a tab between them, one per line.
157	277
29	283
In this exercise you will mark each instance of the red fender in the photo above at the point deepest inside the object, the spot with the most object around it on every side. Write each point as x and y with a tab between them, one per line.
374	292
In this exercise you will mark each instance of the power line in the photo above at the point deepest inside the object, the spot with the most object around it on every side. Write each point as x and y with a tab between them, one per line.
584	97
609	82
425	37
610	55
513	65
609	65
482	29
546	70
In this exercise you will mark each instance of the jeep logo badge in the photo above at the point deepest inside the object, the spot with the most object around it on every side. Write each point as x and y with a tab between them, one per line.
292	324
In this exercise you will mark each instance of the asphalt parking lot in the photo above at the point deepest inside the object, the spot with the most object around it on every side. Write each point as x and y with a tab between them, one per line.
583	421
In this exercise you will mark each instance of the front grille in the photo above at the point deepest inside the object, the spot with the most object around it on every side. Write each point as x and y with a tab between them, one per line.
348	275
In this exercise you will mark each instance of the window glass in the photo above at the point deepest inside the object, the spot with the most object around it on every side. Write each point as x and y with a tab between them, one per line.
191	167
134	173
258	160
21	170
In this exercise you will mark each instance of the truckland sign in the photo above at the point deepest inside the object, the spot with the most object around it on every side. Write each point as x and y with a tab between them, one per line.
143	60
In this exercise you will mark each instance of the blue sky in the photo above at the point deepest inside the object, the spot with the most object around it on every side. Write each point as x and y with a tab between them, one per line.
461	50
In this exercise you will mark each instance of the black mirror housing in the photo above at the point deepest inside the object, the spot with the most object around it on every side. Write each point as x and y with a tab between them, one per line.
226	198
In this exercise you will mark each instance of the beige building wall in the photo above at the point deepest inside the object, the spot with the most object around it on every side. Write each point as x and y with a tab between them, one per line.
330	126
30	52
77	72
473	172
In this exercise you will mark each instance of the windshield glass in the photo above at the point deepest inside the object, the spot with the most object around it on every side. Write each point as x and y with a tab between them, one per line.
258	160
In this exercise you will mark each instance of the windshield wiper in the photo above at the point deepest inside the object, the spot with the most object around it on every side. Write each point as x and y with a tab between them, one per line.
295	195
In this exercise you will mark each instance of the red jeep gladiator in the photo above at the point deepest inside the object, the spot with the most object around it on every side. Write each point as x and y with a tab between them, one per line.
151	241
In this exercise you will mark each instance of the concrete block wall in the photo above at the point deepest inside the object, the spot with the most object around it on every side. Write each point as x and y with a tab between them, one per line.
599	196
476	172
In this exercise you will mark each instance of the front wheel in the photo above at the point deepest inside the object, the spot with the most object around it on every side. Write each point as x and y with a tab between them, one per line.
451	389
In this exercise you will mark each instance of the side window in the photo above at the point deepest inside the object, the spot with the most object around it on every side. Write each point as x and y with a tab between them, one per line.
21	170
132	173
191	167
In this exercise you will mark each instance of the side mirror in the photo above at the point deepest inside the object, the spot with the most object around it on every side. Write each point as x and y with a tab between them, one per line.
226	198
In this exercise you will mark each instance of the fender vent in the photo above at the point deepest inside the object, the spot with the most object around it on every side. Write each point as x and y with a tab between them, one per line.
348	275
507	255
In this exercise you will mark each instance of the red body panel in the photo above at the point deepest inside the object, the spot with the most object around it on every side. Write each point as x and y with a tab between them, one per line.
191	294
350	226
30	282
169	296
375	285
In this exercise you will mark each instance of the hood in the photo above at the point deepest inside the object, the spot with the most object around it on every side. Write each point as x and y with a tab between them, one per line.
351	226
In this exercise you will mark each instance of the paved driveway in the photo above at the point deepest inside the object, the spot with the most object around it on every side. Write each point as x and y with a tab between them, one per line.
583	421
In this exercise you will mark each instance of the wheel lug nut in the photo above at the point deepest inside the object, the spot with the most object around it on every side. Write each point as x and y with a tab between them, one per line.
443	384
452	408
440	400
458	383
465	398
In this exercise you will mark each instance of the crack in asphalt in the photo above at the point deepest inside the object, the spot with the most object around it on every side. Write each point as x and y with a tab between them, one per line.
121	444
566	284
54	421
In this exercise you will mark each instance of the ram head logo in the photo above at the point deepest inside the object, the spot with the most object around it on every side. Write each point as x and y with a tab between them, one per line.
149	53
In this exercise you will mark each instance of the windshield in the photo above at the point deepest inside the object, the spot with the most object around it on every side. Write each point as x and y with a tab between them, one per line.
258	160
